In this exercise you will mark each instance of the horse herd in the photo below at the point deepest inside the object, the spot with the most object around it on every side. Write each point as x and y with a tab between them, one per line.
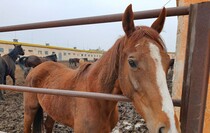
135	66
15	56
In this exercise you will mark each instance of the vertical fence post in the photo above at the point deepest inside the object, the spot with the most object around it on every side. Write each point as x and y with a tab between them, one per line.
196	70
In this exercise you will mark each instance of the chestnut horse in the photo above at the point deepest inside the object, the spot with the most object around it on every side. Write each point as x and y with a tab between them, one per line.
135	66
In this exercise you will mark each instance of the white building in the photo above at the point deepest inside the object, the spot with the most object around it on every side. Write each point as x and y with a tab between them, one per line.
62	53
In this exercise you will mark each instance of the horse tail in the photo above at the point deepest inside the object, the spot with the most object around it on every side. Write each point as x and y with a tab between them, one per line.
38	121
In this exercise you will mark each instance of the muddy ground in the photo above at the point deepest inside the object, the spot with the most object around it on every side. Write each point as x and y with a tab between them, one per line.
11	113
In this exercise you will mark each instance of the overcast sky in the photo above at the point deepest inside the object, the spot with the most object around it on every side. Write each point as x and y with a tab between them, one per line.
13	12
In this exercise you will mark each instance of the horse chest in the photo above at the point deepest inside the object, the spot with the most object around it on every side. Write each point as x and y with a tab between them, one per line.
94	115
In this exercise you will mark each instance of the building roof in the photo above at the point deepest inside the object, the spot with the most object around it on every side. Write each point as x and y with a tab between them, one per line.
44	46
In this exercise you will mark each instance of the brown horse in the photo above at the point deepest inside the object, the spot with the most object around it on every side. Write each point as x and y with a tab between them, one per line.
28	62
33	60
135	66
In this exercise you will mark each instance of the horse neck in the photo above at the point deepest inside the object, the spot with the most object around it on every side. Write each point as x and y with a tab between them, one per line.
13	55
106	68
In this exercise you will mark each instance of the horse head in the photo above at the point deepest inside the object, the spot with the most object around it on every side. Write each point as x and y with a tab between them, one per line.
19	49
144	63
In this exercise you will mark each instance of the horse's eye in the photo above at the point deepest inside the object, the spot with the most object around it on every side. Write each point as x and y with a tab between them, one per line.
132	63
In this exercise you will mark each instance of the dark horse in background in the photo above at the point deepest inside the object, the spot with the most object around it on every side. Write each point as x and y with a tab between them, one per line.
7	65
73	61
28	62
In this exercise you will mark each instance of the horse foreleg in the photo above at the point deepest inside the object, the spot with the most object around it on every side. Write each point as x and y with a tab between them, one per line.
4	82
49	123
1	95
13	79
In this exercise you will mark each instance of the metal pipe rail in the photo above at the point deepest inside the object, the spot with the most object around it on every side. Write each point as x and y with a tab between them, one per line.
174	11
102	96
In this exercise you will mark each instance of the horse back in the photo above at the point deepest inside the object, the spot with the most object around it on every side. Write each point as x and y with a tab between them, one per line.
50	75
32	61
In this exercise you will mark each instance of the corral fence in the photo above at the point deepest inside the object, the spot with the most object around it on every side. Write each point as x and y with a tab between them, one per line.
196	70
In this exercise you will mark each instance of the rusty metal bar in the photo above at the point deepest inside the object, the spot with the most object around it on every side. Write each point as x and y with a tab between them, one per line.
196	71
102	96
97	19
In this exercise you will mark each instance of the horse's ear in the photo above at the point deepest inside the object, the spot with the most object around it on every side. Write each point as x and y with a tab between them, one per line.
127	21
159	22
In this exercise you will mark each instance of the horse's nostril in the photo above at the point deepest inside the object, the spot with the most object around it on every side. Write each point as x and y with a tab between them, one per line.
161	129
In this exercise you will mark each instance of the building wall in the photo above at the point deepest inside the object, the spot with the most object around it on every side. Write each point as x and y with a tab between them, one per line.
40	50
180	58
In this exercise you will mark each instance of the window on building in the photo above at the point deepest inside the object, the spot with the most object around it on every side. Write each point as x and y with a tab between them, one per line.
39	52
73	53
69	53
30	50
81	54
1	49
64	53
46	52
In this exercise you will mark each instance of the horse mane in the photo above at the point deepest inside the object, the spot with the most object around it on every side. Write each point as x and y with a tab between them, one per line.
82	69
111	59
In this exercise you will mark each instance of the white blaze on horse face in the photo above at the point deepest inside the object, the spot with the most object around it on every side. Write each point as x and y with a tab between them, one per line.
134	83
167	105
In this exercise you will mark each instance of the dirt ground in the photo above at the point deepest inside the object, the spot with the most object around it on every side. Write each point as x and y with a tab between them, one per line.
11	113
